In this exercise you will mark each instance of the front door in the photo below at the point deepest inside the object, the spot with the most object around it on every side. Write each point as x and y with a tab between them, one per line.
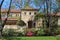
30	24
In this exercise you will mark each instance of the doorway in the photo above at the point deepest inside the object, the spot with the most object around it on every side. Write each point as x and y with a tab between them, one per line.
31	24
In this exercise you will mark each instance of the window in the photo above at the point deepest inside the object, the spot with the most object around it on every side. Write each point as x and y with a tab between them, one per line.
34	13
34	24
31	24
10	15
30	13
16	15
3	15
25	13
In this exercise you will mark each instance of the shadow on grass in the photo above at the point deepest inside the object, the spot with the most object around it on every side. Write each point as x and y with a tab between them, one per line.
12	38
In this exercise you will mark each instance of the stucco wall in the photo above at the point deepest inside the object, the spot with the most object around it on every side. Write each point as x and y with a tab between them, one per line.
59	21
26	17
39	22
11	26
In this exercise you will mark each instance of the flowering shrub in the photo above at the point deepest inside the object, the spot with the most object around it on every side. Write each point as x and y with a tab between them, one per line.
21	23
29	33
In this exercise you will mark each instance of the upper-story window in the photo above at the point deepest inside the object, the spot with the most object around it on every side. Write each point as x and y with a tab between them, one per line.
34	13
29	13
25	13
17	15
3	15
10	15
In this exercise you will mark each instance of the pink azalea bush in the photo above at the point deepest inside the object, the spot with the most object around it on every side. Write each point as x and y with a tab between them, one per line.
29	33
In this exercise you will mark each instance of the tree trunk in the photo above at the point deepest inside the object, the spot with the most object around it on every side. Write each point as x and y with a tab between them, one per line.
2	24
0	32
7	14
44	16
0	19
47	21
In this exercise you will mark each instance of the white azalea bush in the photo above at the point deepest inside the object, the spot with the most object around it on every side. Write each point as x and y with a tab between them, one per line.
14	32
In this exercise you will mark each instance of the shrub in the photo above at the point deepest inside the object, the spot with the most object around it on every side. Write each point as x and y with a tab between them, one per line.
52	31
57	31
21	23
30	31
10	32
22	32
40	31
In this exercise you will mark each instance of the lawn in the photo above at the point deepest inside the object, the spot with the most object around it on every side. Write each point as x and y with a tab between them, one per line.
33	38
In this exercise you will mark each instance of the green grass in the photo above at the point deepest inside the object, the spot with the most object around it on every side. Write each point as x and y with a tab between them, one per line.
32	38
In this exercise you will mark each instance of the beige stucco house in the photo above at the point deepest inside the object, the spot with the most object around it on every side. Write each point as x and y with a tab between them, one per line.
27	14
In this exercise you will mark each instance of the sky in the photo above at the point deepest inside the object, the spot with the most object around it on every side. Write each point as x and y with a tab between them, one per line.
6	4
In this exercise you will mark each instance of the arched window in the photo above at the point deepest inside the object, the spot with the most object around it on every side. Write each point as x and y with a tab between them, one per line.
30	24
3	14
34	13
25	13
29	13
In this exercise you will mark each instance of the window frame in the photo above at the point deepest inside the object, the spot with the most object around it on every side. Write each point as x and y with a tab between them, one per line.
24	13
34	13
29	13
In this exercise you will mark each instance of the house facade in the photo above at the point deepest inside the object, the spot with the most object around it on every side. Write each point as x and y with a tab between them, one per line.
26	14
